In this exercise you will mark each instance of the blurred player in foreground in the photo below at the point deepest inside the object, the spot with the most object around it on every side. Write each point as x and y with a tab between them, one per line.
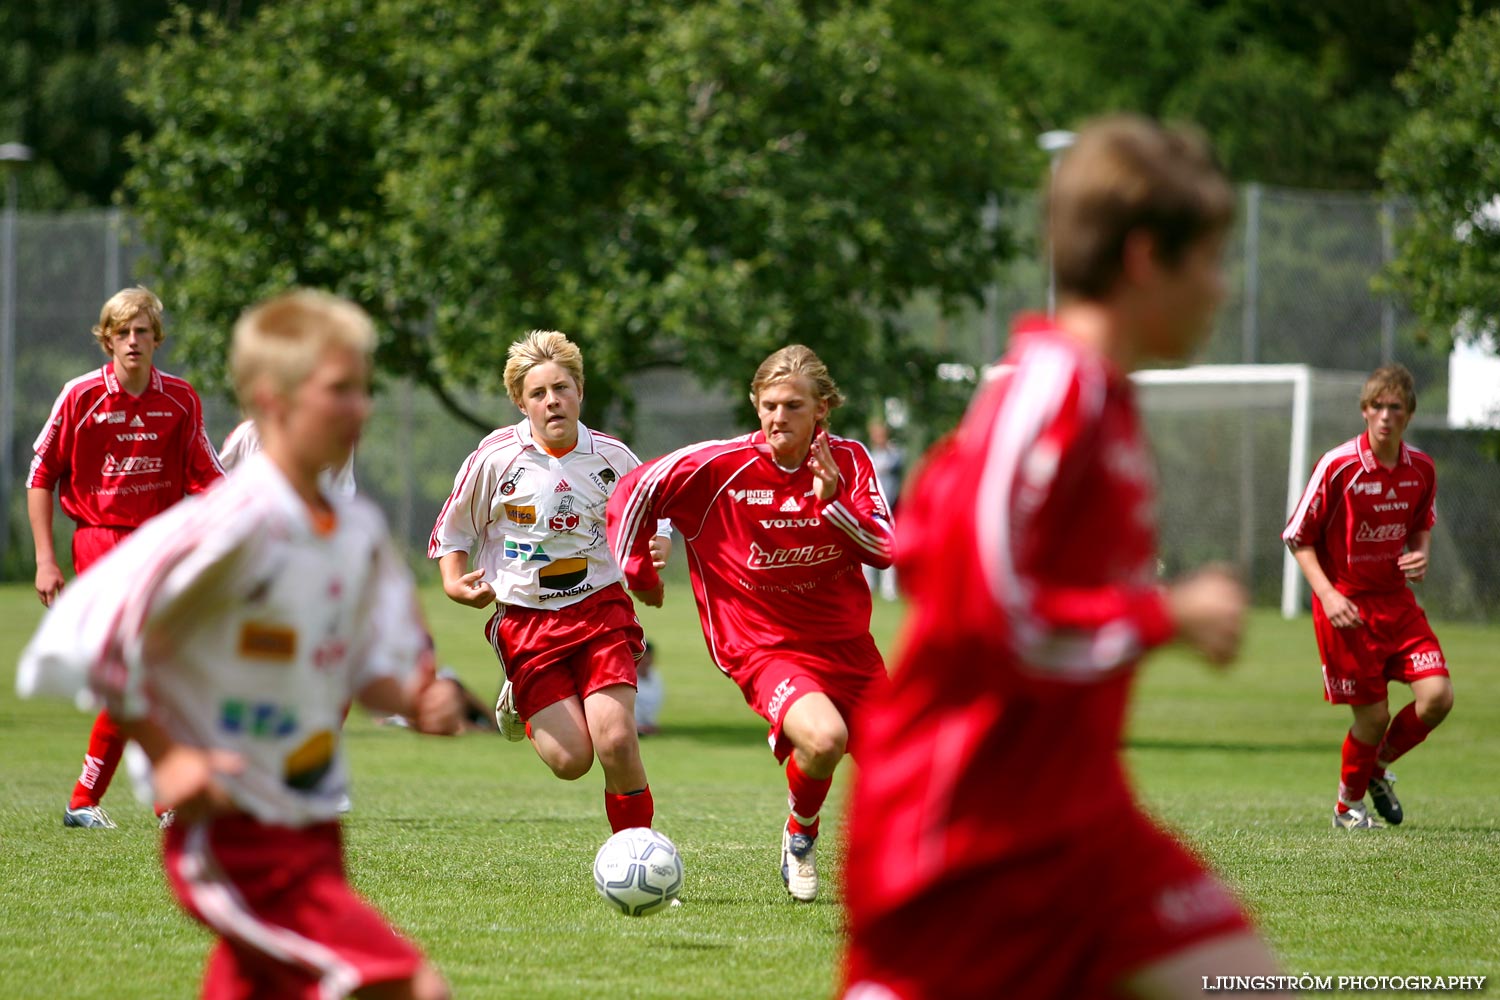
527	514
244	441
1361	532
996	849
123	443
778	525
229	635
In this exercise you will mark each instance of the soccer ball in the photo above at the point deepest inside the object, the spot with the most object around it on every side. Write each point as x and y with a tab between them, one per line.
638	871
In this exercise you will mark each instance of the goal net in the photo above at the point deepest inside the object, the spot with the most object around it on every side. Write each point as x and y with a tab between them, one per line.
1235	445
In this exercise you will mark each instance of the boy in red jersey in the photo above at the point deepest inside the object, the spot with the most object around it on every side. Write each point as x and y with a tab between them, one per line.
1362	530
778	525
996	849
230	635
527	514
122	445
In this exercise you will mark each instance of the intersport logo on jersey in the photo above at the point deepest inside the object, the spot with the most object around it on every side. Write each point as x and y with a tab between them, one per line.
134	465
1383	533
804	555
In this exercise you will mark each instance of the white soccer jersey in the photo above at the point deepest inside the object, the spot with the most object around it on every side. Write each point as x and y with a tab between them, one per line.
237	623
532	522
244	441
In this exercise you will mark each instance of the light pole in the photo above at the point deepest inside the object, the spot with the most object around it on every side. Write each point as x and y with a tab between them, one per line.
12	154
1054	144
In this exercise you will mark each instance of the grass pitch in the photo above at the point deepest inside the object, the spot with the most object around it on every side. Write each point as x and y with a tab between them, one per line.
473	848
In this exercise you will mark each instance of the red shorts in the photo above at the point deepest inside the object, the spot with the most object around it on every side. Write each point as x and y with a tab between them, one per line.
91	543
568	652
774	678
1394	643
1069	919
289	925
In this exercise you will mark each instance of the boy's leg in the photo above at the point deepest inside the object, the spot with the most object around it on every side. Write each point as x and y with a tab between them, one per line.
106	746
560	733
1432	700
819	736
611	720
1182	976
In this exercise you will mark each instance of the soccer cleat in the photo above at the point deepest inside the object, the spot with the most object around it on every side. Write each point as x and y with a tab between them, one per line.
88	817
1355	818
512	726
1383	794
799	864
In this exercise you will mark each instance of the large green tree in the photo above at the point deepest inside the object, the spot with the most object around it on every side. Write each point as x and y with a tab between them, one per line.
672	184
1446	161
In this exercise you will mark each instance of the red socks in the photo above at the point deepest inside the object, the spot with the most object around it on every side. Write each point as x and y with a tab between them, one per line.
106	745
1359	764
805	798
1406	731
630	809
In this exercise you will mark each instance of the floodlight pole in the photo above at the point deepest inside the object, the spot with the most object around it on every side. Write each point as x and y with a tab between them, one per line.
1054	144
10	153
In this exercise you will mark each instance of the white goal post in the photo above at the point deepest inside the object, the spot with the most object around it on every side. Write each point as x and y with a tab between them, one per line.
1224	435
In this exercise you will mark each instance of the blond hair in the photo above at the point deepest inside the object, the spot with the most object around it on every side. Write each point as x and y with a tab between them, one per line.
1394	379
124	306
791	361
538	348
1126	173
282	340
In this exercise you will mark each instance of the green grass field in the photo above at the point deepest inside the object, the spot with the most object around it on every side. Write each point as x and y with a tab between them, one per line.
474	849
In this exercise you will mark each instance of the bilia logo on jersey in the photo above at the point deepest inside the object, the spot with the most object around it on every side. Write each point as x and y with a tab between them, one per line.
525	551
563	574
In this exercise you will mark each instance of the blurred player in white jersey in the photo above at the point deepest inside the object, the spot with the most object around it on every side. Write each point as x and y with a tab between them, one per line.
779	525
524	530
244	441
229	635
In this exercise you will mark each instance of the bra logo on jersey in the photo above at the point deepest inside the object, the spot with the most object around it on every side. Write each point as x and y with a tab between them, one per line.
133	465
136	436
306	765
260	641
805	555
565	519
791	522
509	486
525	551
761	498
563	574
520	514
261	719
1383	533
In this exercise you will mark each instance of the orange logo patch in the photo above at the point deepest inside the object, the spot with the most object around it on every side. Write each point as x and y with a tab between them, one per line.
259	641
520	514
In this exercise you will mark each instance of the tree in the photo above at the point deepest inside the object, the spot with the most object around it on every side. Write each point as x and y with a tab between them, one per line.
690	185
1445	160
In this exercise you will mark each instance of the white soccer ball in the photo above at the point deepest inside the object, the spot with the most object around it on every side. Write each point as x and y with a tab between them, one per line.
638	871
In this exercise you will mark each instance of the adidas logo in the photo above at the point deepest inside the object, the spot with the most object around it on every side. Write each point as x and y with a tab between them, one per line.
1390	494
563	487
136	421
789	505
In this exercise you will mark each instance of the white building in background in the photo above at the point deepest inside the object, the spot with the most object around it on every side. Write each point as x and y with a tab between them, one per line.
1474	384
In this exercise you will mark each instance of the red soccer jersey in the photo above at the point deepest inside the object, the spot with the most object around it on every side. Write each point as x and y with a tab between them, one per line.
769	561
1357	514
118	460
1027	545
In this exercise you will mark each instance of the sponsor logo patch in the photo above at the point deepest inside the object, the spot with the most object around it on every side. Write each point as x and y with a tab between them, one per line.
1369	489
112	418
1381	508
789	506
758	498
791	522
136	436
259	641
563	574
1379	533
1423	662
509	486
604	479
520	514
563	487
566	519
306	765
257	718
805	555
136	421
131	465
525	551
783	691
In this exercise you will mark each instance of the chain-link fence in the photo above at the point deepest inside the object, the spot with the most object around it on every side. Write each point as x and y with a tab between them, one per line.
1300	266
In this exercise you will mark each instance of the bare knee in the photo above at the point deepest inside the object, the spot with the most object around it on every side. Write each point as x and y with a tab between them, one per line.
425	984
1435	706
569	763
823	745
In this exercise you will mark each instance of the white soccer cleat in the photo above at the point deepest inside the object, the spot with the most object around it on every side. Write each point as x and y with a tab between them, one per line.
512	726
1355	818
799	864
88	817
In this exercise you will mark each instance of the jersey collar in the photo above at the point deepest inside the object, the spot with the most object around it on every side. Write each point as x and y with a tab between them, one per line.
585	444
1367	454
112	382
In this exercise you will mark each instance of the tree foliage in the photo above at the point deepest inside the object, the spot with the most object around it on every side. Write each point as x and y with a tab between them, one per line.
1446	160
687	184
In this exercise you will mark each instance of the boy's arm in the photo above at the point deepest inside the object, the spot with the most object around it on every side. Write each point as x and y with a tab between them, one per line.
184	778
49	577
854	505
461	585
434	705
1341	612
1413	562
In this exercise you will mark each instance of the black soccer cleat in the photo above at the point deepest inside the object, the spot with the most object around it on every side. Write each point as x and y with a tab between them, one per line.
1383	794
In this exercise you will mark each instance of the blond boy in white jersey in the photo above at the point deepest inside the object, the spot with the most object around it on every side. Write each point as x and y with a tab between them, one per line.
229	635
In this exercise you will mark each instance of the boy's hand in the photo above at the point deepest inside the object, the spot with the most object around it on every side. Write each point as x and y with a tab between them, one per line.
661	550
823	467
438	707
1413	564
470	589
652	596
49	583
187	780
1209	609
1341	612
